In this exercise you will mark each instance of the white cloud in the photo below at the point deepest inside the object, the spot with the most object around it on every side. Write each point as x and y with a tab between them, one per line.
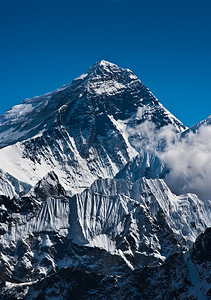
189	162
148	137
188	159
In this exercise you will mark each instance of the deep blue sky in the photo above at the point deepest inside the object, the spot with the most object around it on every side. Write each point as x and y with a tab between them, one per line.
166	43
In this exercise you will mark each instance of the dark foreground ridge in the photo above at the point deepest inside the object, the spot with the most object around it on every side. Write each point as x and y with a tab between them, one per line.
175	279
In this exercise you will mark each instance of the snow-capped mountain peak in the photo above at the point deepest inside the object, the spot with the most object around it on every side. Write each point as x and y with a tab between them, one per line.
104	66
87	129
106	78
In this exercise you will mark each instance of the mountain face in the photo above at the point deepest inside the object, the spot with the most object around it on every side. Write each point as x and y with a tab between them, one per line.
83	197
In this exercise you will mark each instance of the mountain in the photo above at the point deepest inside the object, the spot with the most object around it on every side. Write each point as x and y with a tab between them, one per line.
83	193
85	130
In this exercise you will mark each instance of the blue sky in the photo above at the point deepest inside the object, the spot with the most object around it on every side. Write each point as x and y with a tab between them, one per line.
167	44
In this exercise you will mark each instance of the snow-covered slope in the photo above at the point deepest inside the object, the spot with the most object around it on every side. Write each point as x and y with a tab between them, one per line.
139	223
10	186
146	163
117	210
